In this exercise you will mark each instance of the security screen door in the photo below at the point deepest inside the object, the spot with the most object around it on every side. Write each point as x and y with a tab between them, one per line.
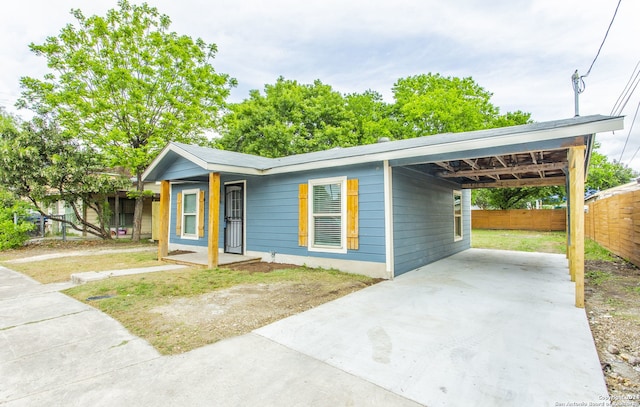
234	218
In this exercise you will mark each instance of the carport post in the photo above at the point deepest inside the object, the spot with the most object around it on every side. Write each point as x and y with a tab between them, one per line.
576	223
163	227
214	215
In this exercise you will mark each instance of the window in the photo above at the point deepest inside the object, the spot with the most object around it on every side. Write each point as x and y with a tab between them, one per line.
126	208
457	215
327	215
190	213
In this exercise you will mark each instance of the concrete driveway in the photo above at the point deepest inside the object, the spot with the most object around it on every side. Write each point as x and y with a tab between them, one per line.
479	328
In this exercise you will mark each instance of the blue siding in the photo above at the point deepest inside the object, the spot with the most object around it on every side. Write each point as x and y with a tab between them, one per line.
182	168
173	237
271	214
423	220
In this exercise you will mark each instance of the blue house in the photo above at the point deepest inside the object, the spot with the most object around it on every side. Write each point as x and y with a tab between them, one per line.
380	210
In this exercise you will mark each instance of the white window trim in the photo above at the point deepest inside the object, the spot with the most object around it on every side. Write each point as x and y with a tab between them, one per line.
461	216
343	215
184	235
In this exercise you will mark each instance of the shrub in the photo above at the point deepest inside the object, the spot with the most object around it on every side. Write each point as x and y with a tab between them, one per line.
13	235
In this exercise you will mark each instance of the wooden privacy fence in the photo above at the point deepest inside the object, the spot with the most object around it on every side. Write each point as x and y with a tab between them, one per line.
614	222
520	219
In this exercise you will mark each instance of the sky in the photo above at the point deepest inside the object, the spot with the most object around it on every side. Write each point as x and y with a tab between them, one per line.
523	51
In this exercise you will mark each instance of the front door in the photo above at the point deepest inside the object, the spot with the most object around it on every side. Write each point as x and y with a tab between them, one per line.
234	218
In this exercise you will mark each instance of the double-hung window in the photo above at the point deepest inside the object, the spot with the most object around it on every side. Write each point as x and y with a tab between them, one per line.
327	214
190	213
457	215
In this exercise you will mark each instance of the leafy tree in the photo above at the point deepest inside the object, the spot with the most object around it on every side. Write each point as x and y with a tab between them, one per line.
604	174
289	118
372	117
44	165
13	234
510	198
428	104
124	85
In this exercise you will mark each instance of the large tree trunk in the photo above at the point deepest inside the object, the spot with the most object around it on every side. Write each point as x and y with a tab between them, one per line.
137	212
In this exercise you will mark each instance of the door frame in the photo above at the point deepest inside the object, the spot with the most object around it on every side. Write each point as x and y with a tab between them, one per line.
243	185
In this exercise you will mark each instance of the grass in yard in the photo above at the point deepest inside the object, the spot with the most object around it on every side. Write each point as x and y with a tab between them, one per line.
60	269
533	241
597	277
136	301
519	240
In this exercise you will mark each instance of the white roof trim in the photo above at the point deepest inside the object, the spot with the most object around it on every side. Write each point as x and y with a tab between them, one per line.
467	145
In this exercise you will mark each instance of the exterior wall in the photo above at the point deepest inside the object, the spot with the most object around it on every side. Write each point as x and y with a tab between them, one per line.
174	238
423	220
271	218
271	213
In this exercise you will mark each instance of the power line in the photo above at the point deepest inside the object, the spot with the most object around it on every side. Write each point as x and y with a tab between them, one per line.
626	93
634	155
603	40
629	134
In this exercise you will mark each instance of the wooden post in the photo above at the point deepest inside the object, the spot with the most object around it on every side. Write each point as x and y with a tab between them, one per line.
214	215
163	228
576	193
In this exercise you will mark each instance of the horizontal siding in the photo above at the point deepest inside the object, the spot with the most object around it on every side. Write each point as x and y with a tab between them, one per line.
182	168
423	220
272	212
173	237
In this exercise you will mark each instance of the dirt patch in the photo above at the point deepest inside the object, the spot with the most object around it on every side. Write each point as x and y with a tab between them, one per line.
262	267
612	299
207	318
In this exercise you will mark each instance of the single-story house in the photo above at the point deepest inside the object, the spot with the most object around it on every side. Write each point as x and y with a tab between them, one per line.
122	209
381	210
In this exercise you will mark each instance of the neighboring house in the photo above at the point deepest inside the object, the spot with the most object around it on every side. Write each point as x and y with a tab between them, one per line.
122	208
380	210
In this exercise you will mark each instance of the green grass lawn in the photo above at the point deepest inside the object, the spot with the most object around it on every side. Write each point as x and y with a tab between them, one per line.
60	269
533	241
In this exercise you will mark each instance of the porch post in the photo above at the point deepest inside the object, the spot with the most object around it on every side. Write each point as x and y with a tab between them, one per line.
576	194
163	225
214	216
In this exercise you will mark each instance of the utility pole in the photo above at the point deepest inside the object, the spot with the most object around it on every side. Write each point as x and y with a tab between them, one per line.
575	78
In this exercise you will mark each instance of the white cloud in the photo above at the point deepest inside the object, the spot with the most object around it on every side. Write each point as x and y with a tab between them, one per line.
524	51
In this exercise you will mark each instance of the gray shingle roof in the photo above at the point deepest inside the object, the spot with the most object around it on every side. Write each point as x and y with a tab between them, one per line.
210	158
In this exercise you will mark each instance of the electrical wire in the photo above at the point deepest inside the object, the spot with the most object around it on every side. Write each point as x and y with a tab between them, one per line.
603	40
618	106
634	155
626	93
629	134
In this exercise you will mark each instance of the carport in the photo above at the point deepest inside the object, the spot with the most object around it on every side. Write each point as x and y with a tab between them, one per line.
547	154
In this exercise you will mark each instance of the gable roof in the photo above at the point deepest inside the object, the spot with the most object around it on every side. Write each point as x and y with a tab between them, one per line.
552	135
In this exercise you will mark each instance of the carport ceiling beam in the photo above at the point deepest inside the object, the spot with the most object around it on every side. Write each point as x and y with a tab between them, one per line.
444	165
502	161
519	169
516	183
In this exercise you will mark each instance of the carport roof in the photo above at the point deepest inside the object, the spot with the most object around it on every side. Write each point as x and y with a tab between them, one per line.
531	154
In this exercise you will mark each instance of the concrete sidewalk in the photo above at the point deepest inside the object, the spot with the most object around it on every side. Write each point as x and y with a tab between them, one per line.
481	328
55	351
